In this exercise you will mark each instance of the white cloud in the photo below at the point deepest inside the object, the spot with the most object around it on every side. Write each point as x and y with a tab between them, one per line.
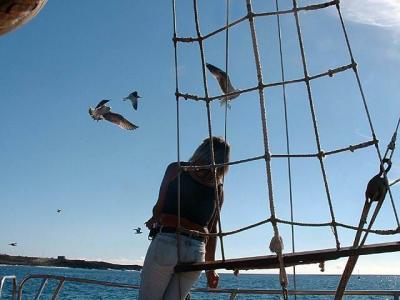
382	13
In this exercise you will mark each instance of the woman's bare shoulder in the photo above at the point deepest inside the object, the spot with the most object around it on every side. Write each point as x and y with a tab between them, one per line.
173	168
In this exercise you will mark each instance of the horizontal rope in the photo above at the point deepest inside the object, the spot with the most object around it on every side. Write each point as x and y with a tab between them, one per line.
328	73
301	224
350	148
394	182
256	15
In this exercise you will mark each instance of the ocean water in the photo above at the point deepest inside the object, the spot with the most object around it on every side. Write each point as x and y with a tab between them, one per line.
74	291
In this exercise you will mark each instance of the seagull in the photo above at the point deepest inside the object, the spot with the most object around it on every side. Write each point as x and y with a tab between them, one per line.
59	210
134	99
13	244
224	83
102	111
138	230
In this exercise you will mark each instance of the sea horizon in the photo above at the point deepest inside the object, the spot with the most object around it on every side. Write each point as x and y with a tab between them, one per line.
218	271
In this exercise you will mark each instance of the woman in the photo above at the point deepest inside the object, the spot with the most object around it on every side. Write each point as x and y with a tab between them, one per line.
198	209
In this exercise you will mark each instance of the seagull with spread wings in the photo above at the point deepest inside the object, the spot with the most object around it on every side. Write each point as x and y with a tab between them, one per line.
133	97
224	83
103	112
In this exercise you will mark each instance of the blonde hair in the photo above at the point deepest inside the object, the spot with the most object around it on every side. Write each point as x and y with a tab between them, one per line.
202	155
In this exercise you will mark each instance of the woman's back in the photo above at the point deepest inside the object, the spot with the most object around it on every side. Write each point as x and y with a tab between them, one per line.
197	199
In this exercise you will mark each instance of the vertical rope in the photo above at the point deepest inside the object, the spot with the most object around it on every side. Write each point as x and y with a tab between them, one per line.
283	277
177	143
392	144
391	148
366	106
226	71
287	139
311	103
213	168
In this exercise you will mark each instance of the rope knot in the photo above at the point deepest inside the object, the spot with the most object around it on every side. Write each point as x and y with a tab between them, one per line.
392	144
321	266
276	244
352	148
250	15
354	65
267	156
330	73
321	154
273	219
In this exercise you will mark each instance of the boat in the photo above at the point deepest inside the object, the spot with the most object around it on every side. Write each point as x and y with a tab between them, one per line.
377	193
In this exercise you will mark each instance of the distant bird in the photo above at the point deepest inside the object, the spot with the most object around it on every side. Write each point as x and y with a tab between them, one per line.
102	111
224	83
138	230
13	244
133	97
59	210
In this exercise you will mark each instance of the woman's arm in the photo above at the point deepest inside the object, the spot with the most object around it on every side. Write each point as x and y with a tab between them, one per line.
170	173
212	276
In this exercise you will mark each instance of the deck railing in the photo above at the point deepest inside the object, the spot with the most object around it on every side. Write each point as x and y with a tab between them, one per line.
395	294
13	279
235	292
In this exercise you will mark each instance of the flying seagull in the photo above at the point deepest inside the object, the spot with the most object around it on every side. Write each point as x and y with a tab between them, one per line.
13	244
138	230
133	97
224	83
102	111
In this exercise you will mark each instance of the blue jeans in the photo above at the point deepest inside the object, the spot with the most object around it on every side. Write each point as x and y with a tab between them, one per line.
158	280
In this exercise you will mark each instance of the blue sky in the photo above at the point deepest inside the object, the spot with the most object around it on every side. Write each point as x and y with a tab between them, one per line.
106	180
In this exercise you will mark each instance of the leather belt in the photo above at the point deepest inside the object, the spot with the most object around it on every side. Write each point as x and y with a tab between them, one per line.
192	236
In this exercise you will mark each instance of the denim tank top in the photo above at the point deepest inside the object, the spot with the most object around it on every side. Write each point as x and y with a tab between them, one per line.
197	200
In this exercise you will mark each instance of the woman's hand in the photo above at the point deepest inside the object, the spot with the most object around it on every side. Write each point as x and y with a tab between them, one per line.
212	279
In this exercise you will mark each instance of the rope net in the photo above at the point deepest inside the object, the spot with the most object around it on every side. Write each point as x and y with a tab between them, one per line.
307	80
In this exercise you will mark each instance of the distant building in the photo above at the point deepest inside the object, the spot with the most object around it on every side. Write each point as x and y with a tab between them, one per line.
61	258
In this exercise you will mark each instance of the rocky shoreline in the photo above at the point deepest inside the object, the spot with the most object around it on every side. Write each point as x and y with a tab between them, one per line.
61	261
